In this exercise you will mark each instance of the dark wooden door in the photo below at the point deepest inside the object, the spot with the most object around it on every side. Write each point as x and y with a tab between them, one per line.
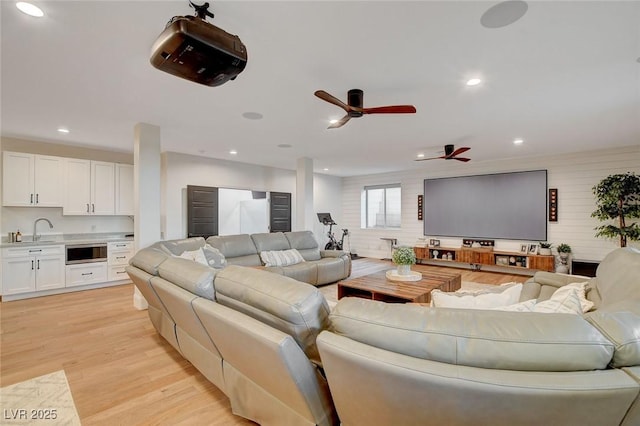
202	211
280	212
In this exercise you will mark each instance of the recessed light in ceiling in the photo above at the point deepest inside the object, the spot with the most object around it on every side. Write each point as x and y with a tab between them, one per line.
504	13
420	155
334	121
252	115
284	145
63	130
518	141
473	82
233	152
326	169
30	9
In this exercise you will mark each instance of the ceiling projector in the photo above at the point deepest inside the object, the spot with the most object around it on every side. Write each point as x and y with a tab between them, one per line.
191	48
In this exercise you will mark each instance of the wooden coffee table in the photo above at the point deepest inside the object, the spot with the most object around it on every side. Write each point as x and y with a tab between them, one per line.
378	287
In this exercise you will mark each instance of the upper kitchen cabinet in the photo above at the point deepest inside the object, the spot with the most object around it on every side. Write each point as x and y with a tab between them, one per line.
124	190
31	180
90	187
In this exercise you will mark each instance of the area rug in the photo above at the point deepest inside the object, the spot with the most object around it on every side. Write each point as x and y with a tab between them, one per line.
46	399
330	292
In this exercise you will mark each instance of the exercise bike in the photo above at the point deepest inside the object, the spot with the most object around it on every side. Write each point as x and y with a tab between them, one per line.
333	244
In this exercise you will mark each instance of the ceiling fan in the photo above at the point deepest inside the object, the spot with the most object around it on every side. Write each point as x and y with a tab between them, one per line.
450	154
354	106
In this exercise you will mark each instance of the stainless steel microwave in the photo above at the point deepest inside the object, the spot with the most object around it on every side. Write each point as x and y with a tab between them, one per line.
86	253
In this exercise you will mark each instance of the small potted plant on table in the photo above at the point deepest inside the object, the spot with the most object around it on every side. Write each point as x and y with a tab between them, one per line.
404	257
545	249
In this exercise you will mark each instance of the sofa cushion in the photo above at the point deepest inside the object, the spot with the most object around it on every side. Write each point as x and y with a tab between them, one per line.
562	302
291	306
191	276
305	243
620	323
149	259
194	255
524	341
237	249
270	241
617	276
306	272
281	257
177	247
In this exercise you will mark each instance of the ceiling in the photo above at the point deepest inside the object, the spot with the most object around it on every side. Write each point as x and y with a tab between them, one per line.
565	77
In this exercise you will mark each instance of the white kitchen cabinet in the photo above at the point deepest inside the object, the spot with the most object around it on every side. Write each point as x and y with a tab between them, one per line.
31	180
118	255
90	187
86	273
124	190
35	268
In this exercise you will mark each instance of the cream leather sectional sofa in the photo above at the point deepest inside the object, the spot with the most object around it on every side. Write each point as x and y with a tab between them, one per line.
320	266
393	364
251	332
268	342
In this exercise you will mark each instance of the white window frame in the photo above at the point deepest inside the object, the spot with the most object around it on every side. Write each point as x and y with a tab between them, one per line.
384	203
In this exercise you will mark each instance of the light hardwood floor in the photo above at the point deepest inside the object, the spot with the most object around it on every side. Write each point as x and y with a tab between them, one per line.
119	370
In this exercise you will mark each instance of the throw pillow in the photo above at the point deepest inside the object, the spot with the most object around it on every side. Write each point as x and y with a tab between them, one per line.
214	257
509	296
581	291
195	255
281	257
526	306
566	302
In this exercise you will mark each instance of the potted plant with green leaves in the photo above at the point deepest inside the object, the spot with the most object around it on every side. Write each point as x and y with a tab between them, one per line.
564	251
618	199
545	248
404	257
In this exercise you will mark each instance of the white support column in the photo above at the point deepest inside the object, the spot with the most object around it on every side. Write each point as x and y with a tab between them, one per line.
146	170
304	194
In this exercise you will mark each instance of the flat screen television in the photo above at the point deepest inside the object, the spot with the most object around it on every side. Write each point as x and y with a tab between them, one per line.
509	206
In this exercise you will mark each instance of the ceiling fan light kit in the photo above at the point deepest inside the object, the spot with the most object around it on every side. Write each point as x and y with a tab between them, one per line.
355	106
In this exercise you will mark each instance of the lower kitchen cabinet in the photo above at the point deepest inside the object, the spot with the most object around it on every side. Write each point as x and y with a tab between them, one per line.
86	273
30	269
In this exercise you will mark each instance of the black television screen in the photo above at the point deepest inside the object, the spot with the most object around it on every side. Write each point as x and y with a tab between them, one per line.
509	206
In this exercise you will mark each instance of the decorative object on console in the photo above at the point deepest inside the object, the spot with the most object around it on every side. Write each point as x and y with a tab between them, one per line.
533	249
618	198
564	251
553	204
404	257
434	243
524	248
469	242
545	249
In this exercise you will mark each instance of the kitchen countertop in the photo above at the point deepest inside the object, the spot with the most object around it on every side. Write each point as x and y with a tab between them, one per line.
54	239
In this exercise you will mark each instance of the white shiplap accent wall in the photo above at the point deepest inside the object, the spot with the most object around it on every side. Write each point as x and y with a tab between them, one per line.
573	174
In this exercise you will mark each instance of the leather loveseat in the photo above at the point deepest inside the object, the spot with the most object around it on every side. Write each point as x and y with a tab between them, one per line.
390	364
320	266
252	333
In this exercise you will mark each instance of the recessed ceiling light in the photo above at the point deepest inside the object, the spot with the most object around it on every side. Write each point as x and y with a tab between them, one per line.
518	141
252	115
30	9
334	121
233	152
326	169
63	130
284	145
473	82
420	155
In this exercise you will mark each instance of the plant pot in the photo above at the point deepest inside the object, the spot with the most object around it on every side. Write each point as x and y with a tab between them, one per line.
404	269
544	251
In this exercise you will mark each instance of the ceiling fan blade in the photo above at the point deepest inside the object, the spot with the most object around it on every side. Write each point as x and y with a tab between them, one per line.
459	151
461	159
332	99
391	109
432	158
340	122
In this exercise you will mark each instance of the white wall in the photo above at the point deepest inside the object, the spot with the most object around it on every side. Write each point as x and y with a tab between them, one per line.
574	175
180	170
